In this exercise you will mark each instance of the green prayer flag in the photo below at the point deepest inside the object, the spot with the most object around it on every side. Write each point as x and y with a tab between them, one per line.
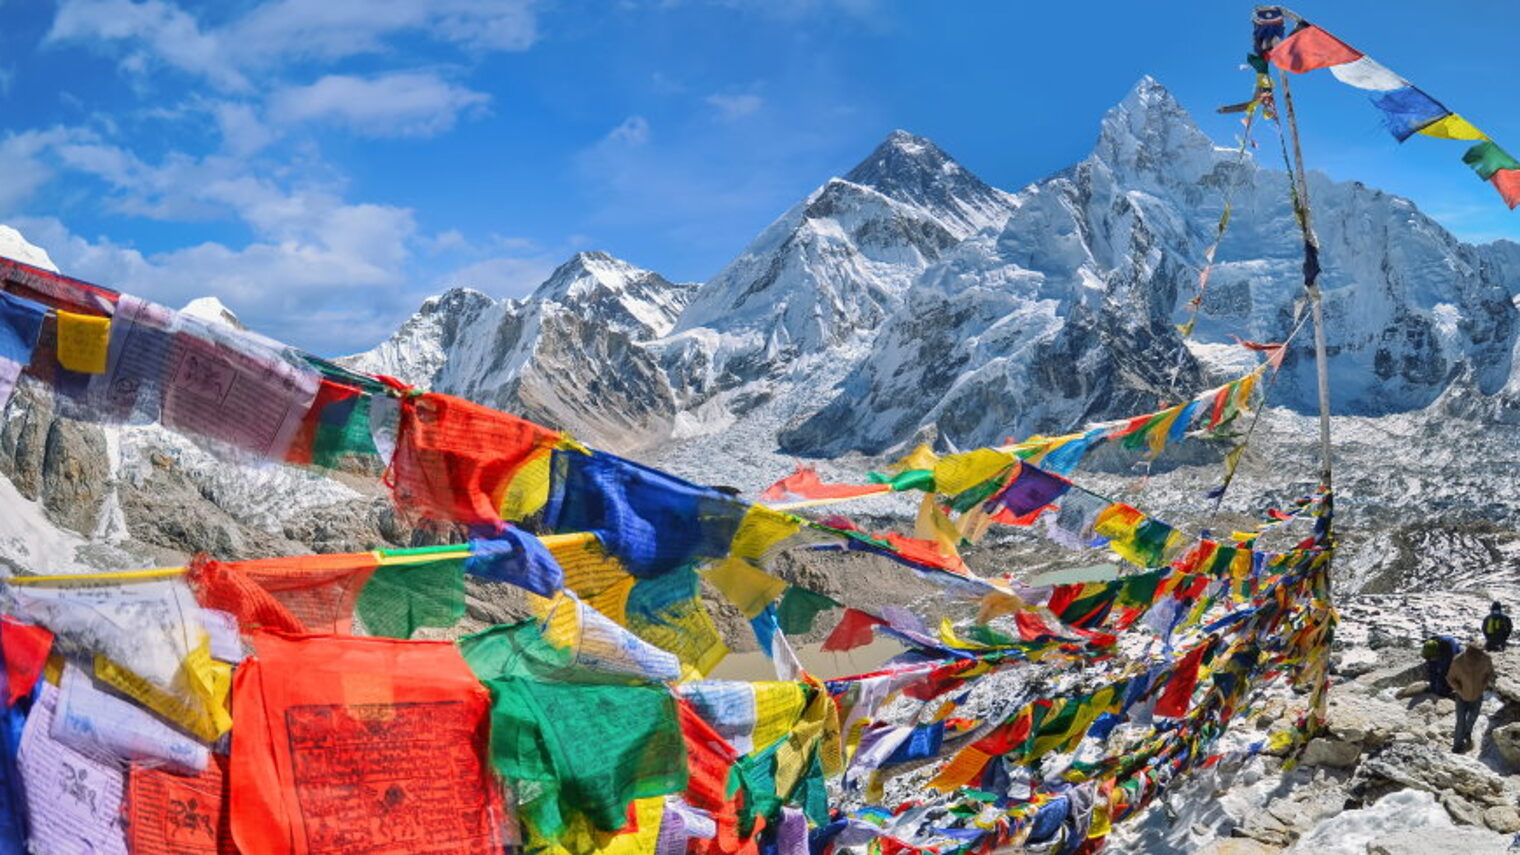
911	479
799	607
1140	590
573	747
399	598
1486	158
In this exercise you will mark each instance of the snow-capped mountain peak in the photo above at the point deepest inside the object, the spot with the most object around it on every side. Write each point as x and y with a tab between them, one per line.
213	310
640	302
1149	140
13	245
912	169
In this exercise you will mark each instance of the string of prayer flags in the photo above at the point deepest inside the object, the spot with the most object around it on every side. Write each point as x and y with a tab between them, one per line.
20	325
1406	109
324	718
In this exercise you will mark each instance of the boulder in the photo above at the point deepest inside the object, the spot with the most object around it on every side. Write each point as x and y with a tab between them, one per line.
1430	766
1411	690
1502	818
1461	811
1440	841
1365	720
1335	753
1507	741
1446	706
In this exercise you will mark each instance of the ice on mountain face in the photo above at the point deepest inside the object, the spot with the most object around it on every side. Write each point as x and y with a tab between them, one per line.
13	245
639	303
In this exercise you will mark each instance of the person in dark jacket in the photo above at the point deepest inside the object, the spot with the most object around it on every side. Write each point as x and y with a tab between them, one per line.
1496	629
1470	675
1438	651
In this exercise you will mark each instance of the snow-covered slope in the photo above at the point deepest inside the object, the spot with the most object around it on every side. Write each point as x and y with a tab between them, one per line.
828	271
570	355
1096	264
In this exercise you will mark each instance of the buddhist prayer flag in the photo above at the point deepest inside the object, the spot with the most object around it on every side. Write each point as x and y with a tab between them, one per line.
20	325
83	342
1406	109
322	719
455	460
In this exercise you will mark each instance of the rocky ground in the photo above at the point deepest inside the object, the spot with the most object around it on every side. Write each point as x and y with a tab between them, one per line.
1383	780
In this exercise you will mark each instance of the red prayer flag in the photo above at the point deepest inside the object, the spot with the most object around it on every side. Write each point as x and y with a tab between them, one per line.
170	814
369	745
455	459
855	629
1507	182
1032	627
1007	736
1310	48
328	393
1220	399
1275	350
804	483
309	593
25	647
1174	701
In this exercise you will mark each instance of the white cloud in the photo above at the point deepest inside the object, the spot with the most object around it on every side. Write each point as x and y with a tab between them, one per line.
732	107
22	166
156	32
634	131
243	132
408	103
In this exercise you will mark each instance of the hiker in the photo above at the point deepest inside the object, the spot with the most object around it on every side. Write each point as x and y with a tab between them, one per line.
1496	628
1470	674
1438	651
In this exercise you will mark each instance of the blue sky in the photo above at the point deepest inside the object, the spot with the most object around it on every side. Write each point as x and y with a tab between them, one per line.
323	165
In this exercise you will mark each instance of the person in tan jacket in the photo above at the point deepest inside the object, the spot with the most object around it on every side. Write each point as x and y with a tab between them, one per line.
1470	674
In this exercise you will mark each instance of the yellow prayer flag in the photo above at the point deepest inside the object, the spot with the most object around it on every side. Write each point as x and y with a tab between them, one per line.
749	588
777	707
933	525
83	342
960	472
960	770
528	490
1453	127
1159	431
921	457
760	530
